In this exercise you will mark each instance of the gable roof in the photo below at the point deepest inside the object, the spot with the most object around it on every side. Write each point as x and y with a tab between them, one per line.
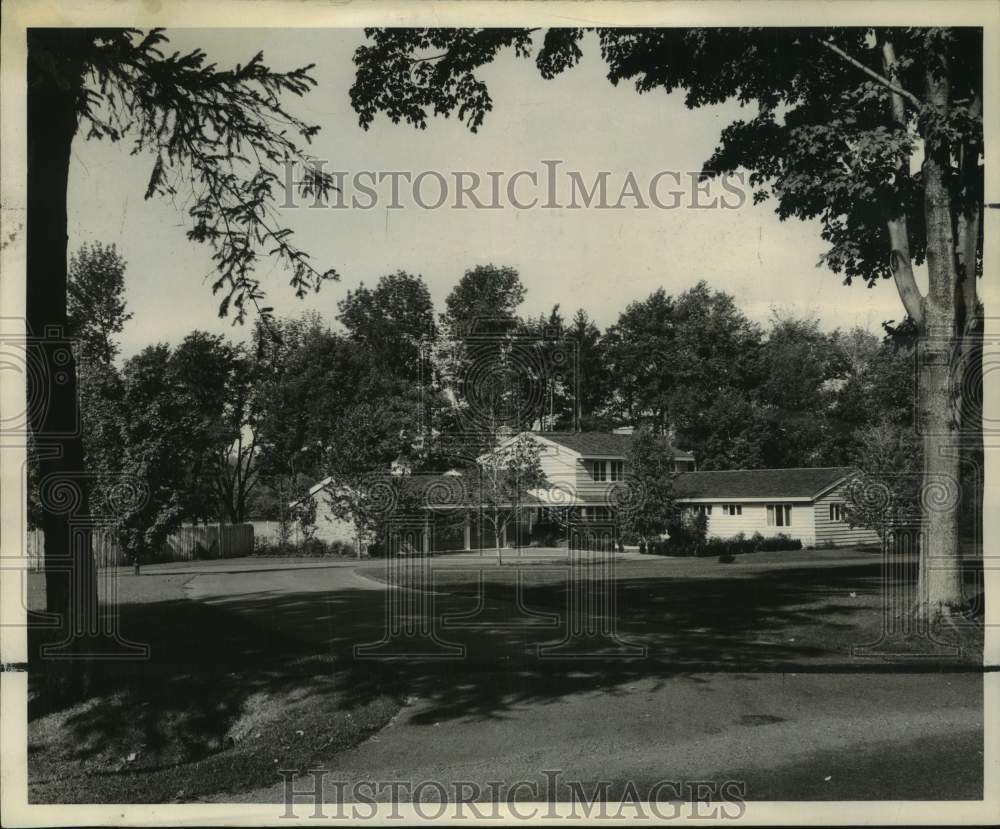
599	444
803	483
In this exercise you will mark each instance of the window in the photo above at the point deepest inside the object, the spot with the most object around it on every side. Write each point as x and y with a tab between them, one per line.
702	509
599	470
617	470
837	512
779	515
732	509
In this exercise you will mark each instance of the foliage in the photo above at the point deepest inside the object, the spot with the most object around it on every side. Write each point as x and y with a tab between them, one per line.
485	300
153	432
314	547
222	135
95	300
547	533
885	495
724	548
647	504
688	529
673	358
301	377
304	514
390	321
594	382
505	476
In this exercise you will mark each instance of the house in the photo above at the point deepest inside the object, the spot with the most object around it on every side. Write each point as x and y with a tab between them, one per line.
586	472
807	504
582	469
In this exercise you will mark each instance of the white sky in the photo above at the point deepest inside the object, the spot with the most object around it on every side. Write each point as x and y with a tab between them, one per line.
596	259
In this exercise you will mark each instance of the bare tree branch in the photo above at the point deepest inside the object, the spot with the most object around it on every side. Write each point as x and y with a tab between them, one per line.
898	90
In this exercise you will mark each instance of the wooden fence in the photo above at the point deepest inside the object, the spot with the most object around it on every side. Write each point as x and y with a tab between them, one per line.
189	543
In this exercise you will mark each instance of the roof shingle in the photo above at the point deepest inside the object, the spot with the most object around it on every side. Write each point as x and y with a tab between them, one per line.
759	483
600	444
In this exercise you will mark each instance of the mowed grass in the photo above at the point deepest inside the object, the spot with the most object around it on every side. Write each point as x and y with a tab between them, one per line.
764	611
219	707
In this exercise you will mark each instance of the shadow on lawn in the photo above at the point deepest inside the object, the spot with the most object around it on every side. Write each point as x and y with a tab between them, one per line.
795	620
211	661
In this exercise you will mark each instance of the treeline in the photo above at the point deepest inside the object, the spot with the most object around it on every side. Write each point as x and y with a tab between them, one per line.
215	430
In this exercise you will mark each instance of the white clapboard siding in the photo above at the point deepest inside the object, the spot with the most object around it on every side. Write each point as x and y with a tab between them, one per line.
839	533
754	520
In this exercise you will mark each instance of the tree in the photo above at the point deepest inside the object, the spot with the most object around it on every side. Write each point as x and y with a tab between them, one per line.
372	435
489	363
885	495
485	300
879	385
96	314
593	388
552	364
674	358
649	508
95	300
798	367
211	379
844	117
155	448
506	474
306	377
223	132
636	349
711	363
390	321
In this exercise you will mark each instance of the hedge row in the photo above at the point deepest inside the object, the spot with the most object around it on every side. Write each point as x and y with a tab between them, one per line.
313	547
738	545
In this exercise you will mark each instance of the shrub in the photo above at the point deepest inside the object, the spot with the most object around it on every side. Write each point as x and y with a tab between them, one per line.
547	533
780	542
738	545
311	547
689	530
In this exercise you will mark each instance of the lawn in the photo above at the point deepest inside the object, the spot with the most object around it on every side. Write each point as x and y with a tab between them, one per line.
765	611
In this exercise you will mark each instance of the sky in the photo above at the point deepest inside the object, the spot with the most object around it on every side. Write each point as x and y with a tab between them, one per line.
600	260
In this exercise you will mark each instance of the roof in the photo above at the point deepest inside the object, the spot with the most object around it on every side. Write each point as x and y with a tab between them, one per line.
599	444
806	483
432	489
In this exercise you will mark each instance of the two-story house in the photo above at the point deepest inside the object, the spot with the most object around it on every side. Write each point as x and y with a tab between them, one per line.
582	469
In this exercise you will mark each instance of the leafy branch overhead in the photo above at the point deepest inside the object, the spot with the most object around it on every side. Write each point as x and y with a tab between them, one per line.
221	135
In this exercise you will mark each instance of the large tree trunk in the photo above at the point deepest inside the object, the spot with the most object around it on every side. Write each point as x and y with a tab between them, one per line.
940	581
55	73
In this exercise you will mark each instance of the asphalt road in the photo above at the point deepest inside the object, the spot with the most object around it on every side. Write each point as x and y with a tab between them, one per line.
489	715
